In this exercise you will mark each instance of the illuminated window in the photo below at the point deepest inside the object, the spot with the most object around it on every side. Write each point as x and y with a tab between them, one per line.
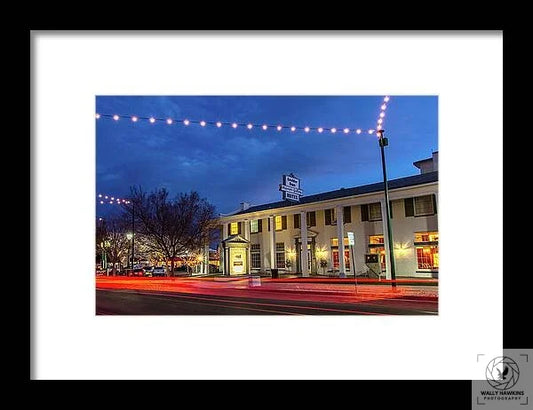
335	242
426	237
335	253
255	225
279	223
255	254
427	250
234	228
280	255
376	246
427	257
376	239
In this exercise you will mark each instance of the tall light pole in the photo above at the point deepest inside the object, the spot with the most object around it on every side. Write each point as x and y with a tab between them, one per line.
129	235
383	142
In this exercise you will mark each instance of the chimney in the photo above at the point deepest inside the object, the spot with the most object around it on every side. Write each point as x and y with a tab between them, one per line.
435	157
428	164
244	206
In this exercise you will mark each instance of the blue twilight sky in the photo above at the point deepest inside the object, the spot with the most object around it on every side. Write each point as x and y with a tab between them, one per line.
228	166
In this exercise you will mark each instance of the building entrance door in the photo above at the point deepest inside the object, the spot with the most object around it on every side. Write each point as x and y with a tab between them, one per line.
311	260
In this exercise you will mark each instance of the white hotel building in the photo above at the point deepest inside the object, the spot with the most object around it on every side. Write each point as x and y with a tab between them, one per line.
272	236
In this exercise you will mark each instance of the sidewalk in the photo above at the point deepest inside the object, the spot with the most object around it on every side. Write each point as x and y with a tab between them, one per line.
407	289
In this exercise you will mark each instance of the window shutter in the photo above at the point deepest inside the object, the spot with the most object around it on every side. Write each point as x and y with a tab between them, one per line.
229	230
390	209
239	229
364	213
347	214
327	214
259	225
434	203
296	220
268	224
284	222
409	207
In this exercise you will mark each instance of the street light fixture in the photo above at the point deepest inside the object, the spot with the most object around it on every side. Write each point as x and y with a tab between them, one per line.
383	142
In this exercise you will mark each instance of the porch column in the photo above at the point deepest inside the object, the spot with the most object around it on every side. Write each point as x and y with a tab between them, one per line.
247	237
386	240
303	230
272	242
223	253
340	237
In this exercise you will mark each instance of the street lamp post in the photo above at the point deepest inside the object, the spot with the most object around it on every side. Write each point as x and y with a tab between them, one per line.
129	235
383	142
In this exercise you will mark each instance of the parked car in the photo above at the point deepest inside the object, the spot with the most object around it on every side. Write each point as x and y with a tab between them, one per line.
159	271
148	271
135	272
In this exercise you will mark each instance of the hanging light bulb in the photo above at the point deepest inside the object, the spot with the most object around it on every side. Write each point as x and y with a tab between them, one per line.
358	130
101	202
333	130
186	122
386	99
264	127
384	107
152	120
306	129
249	126
202	123
99	195
320	129
169	121
382	114
279	127
346	130
116	117
380	121
219	124
234	125
293	128
370	131
97	116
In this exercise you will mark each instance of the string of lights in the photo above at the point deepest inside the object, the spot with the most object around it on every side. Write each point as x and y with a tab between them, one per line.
248	125
108	199
381	116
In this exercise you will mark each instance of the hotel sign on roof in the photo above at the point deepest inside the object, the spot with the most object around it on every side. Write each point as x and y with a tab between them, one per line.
290	187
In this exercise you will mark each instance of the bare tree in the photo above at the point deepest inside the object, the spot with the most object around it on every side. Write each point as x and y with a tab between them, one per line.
171	227
117	241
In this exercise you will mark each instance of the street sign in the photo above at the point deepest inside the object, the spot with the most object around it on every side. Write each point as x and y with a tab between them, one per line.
351	238
290	187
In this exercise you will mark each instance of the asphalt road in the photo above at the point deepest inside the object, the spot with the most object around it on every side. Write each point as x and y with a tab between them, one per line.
141	302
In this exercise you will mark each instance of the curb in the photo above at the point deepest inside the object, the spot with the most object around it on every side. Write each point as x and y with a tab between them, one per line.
344	293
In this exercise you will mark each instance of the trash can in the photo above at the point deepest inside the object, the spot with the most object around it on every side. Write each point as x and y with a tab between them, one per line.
275	274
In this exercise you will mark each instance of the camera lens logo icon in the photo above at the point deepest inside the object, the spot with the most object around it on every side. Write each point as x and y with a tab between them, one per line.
502	373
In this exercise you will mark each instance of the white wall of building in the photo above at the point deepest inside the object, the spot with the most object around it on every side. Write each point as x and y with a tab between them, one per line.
403	228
